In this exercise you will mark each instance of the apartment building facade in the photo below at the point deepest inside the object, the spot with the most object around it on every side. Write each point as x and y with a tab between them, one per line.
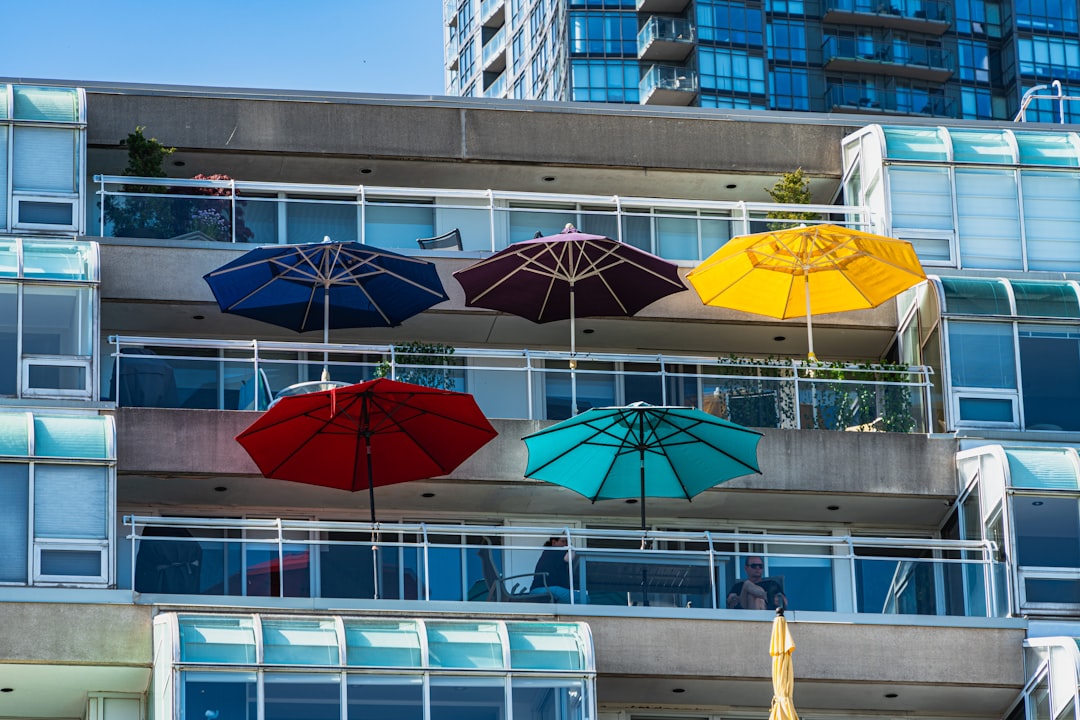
152	572
925	58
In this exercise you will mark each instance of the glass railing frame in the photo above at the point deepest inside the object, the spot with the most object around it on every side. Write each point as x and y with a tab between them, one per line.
381	536
679	30
790	380
743	217
853	48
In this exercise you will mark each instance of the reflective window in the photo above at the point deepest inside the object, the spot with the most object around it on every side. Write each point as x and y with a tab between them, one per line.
729	23
1045	299
603	33
1051	219
1049	58
981	355
1050	368
787	40
1047	531
1042	15
988	215
731	71
790	89
974	60
369	696
605	80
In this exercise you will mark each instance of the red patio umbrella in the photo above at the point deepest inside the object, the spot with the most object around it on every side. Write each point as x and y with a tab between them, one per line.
379	432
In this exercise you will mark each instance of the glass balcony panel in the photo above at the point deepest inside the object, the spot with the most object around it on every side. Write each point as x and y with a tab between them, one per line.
261	216
397	226
311	221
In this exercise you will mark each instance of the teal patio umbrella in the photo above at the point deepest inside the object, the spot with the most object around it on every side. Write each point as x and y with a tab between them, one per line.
642	450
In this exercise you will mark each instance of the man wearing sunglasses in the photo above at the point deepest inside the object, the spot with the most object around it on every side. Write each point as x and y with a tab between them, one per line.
752	593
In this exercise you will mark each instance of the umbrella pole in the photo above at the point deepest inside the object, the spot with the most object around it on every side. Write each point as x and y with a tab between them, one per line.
573	357
641	455
326	341
809	322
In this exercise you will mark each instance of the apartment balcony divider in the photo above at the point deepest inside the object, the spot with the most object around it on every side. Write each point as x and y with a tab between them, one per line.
631	569
526	384
186	211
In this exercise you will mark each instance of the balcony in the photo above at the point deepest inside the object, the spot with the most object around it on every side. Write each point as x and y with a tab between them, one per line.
492	13
864	100
665	39
497	88
236	560
668	85
662	6
918	62
930	17
188	212
527	384
493	56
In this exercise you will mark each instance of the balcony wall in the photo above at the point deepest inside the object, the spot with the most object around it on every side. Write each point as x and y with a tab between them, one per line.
804	473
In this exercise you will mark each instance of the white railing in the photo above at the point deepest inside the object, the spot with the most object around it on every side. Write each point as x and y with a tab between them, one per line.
526	384
673	569
394	217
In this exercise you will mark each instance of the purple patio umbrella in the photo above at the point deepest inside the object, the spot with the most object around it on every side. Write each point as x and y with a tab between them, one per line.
567	276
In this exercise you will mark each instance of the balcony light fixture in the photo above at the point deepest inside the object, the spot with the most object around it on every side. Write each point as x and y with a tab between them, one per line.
366	171
549	178
780	338
731	186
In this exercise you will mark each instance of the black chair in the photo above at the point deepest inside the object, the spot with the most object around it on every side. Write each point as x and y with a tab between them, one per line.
499	591
447	241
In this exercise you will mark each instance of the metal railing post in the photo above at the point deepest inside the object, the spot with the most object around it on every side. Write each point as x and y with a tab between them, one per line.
101	194
491	217
232	208
281	558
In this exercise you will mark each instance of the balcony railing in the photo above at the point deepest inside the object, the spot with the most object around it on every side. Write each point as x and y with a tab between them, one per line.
921	10
867	51
493	47
497	88
525	384
914	101
672	78
672	37
394	217
239	559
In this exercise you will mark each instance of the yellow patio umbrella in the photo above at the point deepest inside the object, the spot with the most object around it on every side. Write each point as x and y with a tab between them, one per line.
783	678
801	271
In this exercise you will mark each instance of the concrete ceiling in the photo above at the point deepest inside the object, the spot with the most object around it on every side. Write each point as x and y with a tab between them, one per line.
59	692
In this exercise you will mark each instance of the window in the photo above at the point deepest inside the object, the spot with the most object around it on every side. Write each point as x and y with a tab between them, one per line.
729	23
731	71
46	135
605	81
603	33
790	89
988	218
1050	368
981	355
66	536
787	40
974	60
47	329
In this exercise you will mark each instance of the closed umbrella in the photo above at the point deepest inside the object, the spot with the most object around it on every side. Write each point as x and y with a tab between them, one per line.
567	276
783	677
642	450
803	271
361	436
326	285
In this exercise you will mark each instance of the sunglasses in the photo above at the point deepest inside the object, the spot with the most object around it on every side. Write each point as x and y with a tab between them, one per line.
756	566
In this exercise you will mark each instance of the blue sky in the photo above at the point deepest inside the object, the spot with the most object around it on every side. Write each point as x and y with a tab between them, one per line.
367	46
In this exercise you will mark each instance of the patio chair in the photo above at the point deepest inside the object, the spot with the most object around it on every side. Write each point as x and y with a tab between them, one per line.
447	241
501	588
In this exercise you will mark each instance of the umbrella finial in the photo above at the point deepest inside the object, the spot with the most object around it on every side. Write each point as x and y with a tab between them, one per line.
780	612
326	238
569	228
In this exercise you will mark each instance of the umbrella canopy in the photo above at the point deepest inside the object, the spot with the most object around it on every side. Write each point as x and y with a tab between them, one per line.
378	432
783	678
802	271
567	276
326	285
640	451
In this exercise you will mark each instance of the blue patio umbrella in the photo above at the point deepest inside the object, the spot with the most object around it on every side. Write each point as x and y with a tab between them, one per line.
642	450
327	285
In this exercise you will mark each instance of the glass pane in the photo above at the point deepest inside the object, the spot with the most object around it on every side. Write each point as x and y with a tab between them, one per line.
382	644
72	437
301	697
54	104
300	642
14	521
1047	590
988	215
43	160
1044	468
58	260
543	646
9	247
1047	531
1050	368
1045	299
374	697
676	238
312	221
921	198
71	563
15	434
56	377
986	410
57	321
1051	219
914	144
36	212
547	699
219	695
9	361
454	698
981	355
465	645
397	226
70	501
217	639
1038	148
981	146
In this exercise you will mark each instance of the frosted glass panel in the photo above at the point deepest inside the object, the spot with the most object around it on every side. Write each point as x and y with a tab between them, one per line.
14	512
1042	469
217	639
70	501
382	644
52	104
72	437
914	144
539	646
975	296
14	434
300	642
982	355
58	260
988	215
982	146
465	645
1038	148
397	226
1045	299
1052	219
921	198
44	160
